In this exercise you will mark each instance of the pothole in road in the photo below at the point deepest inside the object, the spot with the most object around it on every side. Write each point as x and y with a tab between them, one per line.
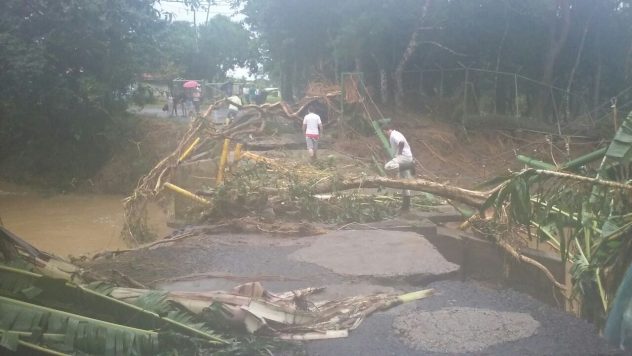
462	329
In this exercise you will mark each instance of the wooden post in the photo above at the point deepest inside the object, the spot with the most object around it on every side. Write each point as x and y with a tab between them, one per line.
556	109
341	126
614	113
222	162
467	76
517	97
237	153
188	151
187	194
441	84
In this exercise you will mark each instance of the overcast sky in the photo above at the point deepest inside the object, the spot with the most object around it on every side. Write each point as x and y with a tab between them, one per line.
182	13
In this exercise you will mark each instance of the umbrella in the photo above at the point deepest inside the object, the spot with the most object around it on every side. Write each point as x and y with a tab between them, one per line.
190	84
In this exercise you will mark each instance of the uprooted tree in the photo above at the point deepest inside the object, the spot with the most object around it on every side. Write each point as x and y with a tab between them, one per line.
579	210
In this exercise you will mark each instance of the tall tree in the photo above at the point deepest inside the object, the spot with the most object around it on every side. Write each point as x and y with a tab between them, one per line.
535	38
205	52
296	35
559	25
407	56
65	72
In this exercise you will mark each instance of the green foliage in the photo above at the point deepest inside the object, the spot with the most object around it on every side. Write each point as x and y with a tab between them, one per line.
40	311
66	318
66	332
620	149
588	221
302	38
67	69
241	195
205	52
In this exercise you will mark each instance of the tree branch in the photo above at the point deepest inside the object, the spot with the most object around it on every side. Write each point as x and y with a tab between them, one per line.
469	197
435	43
605	183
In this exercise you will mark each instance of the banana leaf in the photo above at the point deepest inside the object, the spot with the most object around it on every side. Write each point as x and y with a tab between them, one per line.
620	149
92	322
587	218
32	322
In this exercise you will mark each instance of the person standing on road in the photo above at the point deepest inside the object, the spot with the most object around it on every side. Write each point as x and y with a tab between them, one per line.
313	129
197	96
234	103
402	162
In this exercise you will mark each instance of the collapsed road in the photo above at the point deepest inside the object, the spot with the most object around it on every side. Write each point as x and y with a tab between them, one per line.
465	316
363	268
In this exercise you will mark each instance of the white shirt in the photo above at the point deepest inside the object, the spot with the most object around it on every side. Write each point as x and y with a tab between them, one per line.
395	139
234	99
311	121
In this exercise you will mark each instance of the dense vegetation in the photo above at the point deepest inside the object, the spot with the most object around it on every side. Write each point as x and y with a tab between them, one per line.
69	68
581	46
66	69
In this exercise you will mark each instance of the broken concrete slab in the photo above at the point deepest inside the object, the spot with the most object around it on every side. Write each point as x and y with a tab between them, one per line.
475	328
558	333
375	253
260	255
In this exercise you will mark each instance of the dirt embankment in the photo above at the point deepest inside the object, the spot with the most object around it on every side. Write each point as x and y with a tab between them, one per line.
447	154
151	139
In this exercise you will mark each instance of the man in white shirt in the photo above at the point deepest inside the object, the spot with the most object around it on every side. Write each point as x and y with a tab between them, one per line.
313	129
402	160
233	109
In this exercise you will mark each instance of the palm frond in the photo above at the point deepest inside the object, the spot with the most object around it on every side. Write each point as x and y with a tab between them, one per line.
74	302
586	218
80	333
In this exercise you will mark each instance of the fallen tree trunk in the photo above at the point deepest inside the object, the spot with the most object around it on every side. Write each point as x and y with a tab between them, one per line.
284	109
469	197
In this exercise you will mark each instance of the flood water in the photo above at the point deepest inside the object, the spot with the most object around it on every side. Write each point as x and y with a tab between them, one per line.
68	224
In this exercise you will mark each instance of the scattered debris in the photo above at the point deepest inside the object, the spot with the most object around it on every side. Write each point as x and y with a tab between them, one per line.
278	190
290	315
44	310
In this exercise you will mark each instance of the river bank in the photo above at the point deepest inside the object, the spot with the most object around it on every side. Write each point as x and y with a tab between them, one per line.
69	224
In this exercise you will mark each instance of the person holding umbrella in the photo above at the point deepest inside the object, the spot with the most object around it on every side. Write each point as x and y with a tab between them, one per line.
189	90
190	84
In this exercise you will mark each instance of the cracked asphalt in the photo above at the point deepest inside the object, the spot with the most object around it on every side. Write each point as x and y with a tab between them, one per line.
463	317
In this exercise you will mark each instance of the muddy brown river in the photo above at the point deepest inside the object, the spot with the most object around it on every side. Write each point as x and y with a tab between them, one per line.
68	224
